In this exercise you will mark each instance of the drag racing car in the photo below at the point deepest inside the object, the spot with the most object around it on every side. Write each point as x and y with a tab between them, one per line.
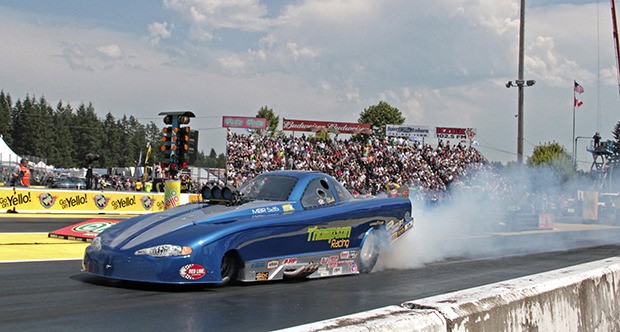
282	224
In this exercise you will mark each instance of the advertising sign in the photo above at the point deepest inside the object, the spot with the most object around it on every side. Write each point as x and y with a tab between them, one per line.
316	126
83	231
407	131
244	122
455	133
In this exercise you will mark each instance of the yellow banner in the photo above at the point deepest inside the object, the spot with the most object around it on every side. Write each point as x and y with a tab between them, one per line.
28	200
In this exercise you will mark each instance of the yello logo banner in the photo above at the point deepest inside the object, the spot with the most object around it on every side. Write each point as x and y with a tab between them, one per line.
172	194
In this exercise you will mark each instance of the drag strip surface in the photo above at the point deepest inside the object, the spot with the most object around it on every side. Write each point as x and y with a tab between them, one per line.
55	296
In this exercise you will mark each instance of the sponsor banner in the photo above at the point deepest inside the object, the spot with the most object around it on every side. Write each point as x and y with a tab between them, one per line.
455	133
407	131
244	122
333	127
546	221
172	194
84	231
31	200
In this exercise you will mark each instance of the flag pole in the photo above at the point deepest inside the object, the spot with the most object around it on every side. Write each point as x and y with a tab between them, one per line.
574	149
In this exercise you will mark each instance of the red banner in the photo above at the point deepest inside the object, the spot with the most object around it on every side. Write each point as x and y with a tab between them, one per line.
455	133
243	122
325	126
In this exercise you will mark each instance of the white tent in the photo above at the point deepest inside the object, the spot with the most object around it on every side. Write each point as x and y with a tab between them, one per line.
7	156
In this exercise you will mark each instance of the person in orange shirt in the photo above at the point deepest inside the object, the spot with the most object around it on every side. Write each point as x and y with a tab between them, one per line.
21	174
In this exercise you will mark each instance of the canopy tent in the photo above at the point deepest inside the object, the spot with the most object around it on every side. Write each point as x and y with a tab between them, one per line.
7	156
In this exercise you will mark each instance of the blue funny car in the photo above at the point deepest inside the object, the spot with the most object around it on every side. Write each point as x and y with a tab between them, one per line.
279	224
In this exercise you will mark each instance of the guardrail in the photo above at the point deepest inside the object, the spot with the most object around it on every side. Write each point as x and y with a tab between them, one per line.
581	298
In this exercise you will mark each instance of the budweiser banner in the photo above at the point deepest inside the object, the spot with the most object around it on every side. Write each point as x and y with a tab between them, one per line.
324	126
243	122
455	133
407	131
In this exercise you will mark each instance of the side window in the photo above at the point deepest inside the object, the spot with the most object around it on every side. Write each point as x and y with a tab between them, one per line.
317	193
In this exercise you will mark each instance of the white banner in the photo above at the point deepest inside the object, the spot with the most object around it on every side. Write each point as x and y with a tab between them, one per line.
407	131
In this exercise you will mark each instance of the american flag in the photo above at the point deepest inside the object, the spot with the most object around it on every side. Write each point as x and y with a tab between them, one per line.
578	88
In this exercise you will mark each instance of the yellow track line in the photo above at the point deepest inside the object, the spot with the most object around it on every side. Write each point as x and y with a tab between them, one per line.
19	247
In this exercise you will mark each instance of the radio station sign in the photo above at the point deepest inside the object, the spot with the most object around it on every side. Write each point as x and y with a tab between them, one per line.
315	126
244	122
407	131
455	133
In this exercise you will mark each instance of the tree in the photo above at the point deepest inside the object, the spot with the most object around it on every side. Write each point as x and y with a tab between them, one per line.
616	133
272	121
6	118
380	115
553	165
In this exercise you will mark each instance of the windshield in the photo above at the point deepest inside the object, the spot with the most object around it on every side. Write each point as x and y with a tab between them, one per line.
268	187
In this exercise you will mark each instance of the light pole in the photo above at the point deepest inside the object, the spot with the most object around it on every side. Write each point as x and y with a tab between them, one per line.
520	82
575	151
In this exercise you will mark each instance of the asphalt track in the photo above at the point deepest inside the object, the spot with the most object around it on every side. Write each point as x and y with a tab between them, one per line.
55	296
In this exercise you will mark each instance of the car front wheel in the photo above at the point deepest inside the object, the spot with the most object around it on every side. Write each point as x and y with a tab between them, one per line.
229	268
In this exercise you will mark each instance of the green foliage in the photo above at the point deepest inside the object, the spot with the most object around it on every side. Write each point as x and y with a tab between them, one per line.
553	158
62	136
616	133
272	122
380	115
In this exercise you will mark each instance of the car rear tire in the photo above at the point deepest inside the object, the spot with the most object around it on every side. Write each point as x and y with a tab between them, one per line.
229	268
369	253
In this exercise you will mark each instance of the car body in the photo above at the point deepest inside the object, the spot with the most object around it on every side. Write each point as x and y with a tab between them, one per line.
281	224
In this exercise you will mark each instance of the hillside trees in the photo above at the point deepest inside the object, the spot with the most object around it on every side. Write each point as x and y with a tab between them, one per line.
62	136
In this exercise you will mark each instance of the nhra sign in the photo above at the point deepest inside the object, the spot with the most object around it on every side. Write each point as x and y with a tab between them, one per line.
244	122
83	231
406	131
455	133
315	126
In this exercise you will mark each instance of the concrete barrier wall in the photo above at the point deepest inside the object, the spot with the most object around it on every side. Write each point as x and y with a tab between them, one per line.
581	298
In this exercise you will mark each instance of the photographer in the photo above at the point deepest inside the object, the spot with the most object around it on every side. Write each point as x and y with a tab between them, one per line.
21	174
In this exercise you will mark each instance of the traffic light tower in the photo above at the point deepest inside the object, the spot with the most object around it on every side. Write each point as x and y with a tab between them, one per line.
175	140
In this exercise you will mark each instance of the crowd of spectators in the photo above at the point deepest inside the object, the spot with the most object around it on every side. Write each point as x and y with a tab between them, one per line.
363	167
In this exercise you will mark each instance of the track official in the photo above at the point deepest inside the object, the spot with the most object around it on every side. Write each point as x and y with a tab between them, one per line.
21	174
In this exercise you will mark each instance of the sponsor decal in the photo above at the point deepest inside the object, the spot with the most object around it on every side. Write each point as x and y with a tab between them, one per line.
101	201
344	255
322	271
288	208
337	270
147	202
192	271
124	202
337	237
261	276
93	227
324	260
15	199
47	200
289	261
258	265
70	202
352	267
269	209
273	264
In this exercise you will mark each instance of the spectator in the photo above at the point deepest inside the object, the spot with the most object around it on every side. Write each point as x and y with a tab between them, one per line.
21	174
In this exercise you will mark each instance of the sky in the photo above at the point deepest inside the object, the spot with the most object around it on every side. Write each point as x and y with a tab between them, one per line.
442	63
